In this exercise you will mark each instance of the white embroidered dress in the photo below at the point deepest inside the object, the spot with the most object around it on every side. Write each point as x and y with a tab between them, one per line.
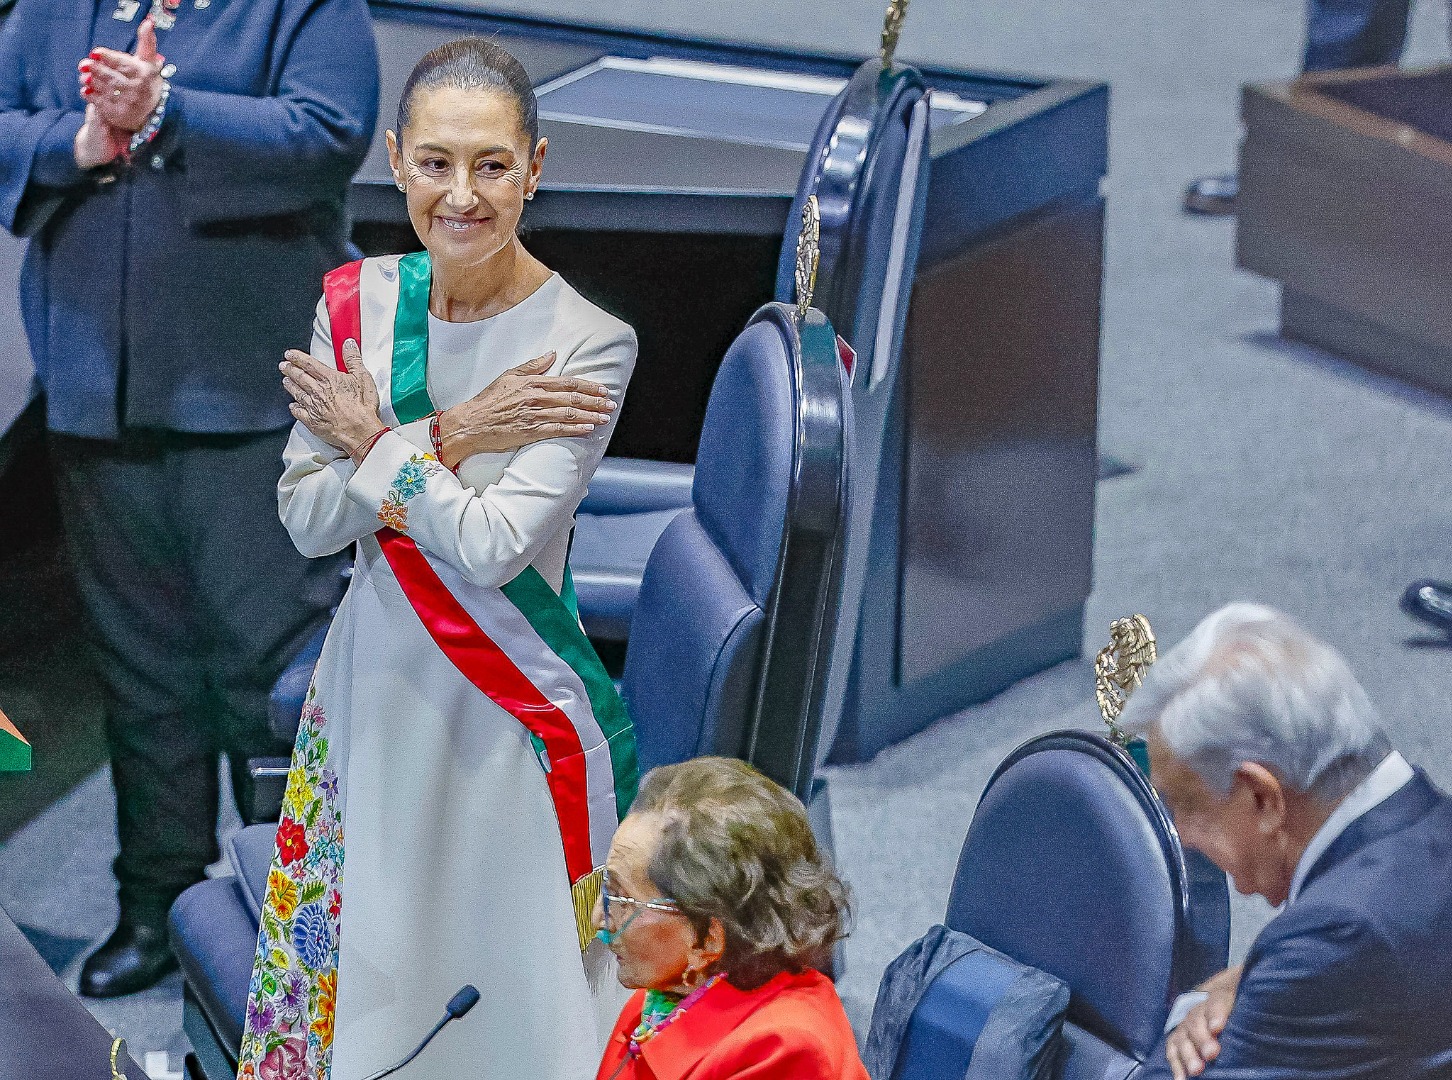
431	795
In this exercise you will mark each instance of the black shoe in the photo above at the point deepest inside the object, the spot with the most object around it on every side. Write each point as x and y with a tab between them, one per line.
1430	601
1213	195
134	957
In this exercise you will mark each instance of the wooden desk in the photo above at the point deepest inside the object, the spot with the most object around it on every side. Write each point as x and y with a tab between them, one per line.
45	1031
1346	200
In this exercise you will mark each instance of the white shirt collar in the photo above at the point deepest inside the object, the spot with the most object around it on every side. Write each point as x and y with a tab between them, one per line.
1385	780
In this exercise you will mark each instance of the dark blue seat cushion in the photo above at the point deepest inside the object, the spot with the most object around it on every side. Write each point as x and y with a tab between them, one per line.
284	705
628	506
950	1007
690	677
214	936
694	658
607	561
744	462
1086	1057
1071	866
250	852
637	486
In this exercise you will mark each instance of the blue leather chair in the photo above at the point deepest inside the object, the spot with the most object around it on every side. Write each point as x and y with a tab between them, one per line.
736	614
737	608
1073	866
865	154
869	167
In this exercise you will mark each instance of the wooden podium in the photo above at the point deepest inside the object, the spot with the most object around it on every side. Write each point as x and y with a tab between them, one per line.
1346	200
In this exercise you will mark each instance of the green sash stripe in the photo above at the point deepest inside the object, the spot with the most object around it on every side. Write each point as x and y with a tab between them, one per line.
410	384
557	628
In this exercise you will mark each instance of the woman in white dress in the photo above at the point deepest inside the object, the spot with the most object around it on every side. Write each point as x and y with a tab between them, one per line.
463	759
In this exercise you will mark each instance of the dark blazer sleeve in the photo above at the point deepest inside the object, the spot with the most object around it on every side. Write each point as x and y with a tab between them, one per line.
37	146
1308	1005
251	157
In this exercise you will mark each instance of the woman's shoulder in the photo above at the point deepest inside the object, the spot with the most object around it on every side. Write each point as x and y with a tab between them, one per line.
806	1004
594	323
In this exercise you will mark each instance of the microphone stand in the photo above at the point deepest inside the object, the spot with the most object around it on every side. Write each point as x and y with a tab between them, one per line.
458	1005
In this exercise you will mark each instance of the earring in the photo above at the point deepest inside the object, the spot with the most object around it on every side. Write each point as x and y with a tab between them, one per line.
528	195
399	185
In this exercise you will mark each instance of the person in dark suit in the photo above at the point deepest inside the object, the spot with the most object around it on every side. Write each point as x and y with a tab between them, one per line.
180	170
1271	758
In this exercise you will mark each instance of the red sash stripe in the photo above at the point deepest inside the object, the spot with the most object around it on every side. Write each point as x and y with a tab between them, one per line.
477	657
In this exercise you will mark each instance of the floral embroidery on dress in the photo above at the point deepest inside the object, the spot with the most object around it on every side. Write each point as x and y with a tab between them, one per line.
411	480
293	995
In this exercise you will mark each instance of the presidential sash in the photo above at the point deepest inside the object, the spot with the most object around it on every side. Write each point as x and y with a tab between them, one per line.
522	645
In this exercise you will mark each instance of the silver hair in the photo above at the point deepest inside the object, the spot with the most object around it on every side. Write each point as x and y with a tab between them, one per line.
1250	684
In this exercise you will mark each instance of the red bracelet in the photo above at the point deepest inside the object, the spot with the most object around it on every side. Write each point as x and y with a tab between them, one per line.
438	441
361	452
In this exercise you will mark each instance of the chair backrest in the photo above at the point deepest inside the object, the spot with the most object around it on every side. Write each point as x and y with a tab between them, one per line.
738	600
1073	866
869	167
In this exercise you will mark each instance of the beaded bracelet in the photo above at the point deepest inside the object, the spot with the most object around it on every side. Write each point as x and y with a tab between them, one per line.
153	122
359	452
438	443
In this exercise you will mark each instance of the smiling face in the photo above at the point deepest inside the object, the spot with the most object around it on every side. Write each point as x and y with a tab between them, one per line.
465	164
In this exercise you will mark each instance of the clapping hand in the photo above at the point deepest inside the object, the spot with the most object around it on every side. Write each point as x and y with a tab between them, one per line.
124	88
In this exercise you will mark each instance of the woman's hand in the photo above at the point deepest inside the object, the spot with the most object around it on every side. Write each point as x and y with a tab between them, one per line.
339	407
522	406
124	87
97	143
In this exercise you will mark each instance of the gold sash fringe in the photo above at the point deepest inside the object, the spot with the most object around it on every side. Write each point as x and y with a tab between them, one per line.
584	893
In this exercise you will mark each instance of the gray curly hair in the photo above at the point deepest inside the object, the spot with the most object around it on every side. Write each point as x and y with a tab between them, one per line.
737	847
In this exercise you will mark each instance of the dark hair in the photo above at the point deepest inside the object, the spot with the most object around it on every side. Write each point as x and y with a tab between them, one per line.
737	847
473	63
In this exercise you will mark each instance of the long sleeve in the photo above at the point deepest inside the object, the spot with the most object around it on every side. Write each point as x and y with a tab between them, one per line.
1308	1007
312	494
37	146
249	157
489	536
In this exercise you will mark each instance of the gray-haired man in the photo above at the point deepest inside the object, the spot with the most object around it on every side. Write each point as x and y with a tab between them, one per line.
1273	763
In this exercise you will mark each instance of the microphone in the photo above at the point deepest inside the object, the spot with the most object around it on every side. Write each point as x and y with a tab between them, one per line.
458	1005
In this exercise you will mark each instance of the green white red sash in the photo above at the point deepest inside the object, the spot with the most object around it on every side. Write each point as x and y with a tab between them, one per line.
521	645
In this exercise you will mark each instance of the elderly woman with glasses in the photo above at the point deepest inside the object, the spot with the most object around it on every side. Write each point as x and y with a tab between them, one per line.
718	905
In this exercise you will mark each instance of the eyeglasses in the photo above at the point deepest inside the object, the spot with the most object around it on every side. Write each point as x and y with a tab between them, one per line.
609	899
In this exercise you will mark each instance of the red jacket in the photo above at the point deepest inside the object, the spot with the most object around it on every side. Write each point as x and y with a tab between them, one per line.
793	1028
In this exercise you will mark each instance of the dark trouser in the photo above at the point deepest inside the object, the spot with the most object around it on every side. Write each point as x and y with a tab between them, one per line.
196	601
1355	33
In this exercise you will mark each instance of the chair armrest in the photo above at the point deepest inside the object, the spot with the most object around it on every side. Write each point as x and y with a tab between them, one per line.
261	803
634	485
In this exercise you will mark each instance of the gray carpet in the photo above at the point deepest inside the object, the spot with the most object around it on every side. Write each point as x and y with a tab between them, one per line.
1264	471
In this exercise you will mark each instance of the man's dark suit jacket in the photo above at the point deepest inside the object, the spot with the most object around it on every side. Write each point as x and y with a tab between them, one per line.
165	298
1354	977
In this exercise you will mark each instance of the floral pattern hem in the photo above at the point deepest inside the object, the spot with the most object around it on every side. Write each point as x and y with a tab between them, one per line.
294	990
